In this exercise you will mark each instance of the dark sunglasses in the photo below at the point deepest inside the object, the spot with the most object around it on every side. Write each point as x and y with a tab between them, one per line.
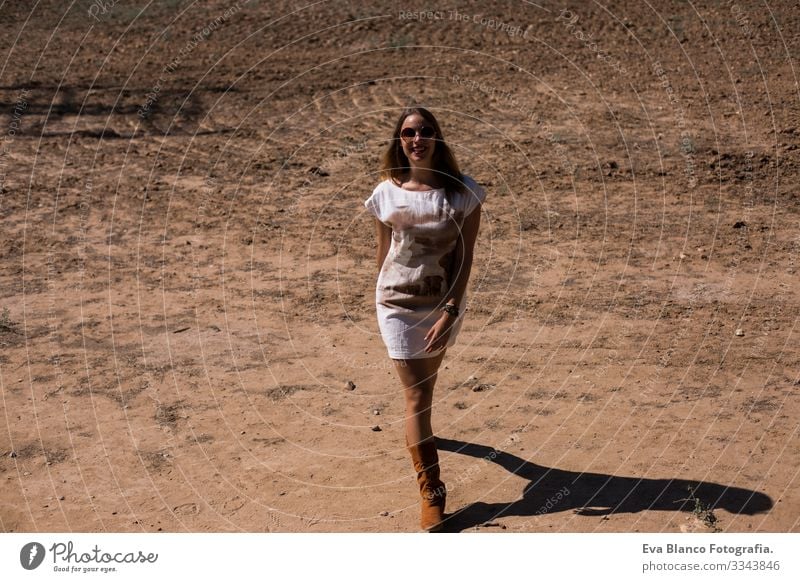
425	132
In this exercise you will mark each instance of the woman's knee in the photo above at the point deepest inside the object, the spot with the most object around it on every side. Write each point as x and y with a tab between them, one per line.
418	399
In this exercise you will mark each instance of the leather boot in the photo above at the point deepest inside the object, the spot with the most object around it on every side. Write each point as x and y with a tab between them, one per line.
433	492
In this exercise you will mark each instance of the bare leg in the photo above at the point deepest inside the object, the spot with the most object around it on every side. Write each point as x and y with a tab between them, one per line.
418	378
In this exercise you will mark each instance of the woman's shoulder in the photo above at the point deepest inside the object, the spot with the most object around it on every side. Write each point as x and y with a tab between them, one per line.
376	201
472	194
468	180
385	184
472	187
469	184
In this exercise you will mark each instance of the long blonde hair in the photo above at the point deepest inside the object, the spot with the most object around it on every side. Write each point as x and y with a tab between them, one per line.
394	162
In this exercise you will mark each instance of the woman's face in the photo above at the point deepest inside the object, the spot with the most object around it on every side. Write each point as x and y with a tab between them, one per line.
417	138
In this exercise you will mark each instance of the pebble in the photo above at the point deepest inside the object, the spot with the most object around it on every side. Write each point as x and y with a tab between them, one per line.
739	332
482	387
376	412
351	385
376	428
13	454
384	513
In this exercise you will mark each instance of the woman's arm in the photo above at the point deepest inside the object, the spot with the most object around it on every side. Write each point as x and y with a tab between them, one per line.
439	333
384	236
463	253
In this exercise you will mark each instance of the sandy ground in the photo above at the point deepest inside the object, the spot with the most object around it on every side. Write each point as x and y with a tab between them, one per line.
187	270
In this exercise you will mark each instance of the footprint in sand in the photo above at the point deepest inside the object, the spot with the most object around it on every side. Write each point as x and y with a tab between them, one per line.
187	509
233	504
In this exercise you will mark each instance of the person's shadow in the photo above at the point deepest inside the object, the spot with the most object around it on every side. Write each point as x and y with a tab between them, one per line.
595	494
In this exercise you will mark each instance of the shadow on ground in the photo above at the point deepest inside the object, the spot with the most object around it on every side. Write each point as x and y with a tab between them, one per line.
594	494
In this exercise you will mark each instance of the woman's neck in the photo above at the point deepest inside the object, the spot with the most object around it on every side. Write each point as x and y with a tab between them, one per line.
422	175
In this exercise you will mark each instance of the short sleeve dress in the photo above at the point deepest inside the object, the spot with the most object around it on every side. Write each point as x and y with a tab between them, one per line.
419	268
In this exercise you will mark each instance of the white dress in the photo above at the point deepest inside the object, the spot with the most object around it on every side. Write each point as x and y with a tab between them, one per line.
418	270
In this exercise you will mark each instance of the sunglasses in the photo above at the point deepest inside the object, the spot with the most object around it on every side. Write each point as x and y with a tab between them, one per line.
424	132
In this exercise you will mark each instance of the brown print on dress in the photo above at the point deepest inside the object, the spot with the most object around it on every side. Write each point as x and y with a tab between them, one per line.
419	262
431	286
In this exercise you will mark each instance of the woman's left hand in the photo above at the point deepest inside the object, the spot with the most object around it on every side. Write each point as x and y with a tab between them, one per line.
439	333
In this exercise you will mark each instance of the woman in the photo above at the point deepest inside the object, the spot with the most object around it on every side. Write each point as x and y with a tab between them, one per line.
427	216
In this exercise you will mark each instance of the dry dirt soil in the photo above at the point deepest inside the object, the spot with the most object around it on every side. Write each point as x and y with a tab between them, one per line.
187	270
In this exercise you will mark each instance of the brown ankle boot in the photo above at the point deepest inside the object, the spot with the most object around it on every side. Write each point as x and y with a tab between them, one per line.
426	463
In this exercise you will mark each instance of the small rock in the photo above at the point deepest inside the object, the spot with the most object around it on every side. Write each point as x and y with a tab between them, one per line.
739	332
26	474
482	387
350	385
739	224
13	454
683	256
62	498
376	412
384	513
376	428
